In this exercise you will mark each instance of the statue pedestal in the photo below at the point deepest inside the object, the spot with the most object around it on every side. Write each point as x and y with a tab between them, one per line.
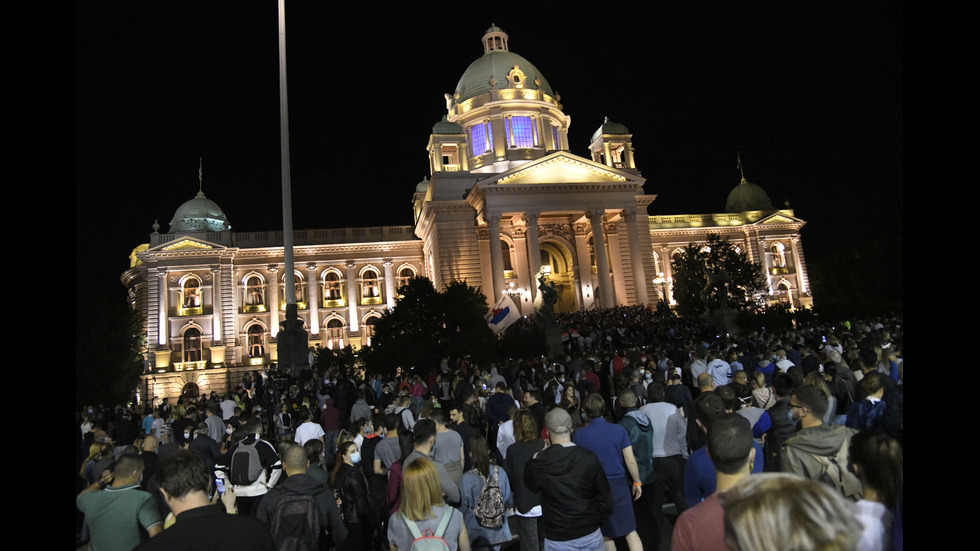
552	335
724	320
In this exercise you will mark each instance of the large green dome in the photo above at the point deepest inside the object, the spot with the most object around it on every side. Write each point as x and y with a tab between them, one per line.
200	214
491	70
747	196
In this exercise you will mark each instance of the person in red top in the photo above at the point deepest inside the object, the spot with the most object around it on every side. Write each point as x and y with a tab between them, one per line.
702	527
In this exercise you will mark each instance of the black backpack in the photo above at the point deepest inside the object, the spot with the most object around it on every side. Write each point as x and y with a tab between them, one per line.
246	466
295	524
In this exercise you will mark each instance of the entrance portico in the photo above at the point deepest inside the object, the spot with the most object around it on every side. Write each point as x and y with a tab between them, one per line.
562	208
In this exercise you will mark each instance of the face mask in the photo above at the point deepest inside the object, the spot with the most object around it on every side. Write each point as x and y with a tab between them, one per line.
229	431
187	436
355	458
648	376
789	414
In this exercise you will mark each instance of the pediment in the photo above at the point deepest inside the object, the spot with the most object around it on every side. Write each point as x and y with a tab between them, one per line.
186	244
778	218
561	168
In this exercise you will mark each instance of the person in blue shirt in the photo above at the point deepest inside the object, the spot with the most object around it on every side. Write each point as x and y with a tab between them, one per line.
611	443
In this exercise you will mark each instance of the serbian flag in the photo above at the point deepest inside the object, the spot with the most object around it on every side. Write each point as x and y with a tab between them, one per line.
503	314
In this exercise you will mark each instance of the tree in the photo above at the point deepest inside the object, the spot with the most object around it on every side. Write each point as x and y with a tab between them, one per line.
109	345
690	278
426	326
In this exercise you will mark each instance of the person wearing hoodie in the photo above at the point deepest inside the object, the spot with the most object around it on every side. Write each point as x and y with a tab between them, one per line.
805	453
574	490
640	430
361	409
295	464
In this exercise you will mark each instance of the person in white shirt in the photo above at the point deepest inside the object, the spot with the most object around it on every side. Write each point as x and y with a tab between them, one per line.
308	430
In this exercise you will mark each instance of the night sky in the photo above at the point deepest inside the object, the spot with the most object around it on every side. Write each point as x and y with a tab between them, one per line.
810	93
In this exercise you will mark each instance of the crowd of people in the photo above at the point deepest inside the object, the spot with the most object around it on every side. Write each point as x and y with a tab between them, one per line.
646	430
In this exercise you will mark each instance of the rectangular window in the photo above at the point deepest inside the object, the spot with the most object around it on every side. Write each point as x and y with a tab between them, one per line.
556	136
481	138
521	132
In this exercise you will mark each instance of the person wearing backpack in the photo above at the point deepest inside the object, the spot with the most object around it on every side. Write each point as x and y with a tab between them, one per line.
424	522
486	495
301	512
819	451
251	465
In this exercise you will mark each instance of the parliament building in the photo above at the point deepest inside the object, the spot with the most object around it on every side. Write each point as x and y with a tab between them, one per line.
505	200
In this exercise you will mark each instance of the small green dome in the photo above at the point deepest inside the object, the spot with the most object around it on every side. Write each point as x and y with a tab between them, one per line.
446	127
200	214
610	127
748	196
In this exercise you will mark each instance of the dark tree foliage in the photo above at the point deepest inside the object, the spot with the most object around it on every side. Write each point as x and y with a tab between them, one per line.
747	279
344	359
524	339
109	345
426	326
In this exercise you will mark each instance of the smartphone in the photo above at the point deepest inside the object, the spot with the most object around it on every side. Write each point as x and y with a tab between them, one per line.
220	483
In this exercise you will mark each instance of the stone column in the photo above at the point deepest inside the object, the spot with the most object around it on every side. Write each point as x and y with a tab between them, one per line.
668	274
533	250
519	233
766	263
636	257
216	333
352	297
798	261
587	284
272	292
601	260
313	296
496	261
389	282
616	259
163	333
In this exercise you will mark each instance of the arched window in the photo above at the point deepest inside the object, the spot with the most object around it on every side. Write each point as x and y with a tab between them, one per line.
254	291
370	287
333	288
404	276
191	291
256	341
369	328
778	255
505	253
192	345
300	287
335	334
783	294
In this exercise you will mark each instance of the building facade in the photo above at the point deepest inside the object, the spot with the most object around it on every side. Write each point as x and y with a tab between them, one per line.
506	203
